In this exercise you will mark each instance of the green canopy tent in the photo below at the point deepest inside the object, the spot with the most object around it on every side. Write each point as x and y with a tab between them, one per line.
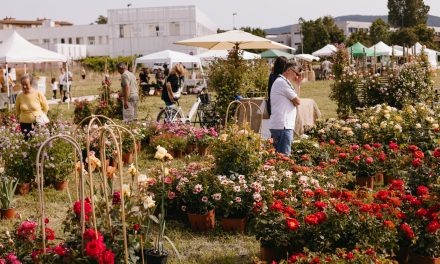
272	54
359	50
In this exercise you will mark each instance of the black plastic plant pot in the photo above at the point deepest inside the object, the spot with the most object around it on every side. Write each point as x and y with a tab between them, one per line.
153	258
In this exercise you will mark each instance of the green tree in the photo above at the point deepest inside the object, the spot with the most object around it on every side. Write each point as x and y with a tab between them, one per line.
361	36
255	31
425	35
101	20
336	34
314	34
379	31
407	13
404	37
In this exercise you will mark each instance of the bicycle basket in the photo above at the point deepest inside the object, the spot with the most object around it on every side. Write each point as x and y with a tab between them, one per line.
205	98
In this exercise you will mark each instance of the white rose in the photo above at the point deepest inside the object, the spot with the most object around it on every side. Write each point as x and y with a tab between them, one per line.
365	125
383	124
418	125
160	152
387	116
148	202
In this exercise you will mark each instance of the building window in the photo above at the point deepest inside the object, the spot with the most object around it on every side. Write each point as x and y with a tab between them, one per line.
63	41
157	30
121	31
100	40
46	41
91	40
70	41
174	29
78	41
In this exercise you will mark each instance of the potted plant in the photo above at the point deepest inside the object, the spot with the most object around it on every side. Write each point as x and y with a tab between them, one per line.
158	255
203	138
7	191
127	149
235	202
197	199
59	165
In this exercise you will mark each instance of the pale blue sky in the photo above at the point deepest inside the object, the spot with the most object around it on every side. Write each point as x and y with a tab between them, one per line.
255	13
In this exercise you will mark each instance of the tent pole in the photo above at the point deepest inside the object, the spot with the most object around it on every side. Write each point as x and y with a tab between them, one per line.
68	85
7	87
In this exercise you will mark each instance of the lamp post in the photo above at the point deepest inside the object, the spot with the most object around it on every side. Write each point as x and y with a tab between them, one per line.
301	36
129	32
233	20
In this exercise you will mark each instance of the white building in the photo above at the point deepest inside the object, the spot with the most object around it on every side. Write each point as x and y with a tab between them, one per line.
136	31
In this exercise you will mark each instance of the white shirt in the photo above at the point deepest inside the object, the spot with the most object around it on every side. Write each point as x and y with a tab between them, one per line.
283	110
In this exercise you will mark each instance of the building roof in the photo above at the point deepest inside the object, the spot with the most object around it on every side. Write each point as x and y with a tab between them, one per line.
38	22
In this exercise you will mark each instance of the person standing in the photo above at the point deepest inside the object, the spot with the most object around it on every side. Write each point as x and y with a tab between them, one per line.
29	105
326	69
129	93
54	84
61	83
277	70
166	71
284	100
67	85
173	85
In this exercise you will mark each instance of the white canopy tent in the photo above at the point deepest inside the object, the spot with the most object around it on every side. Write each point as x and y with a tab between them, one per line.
167	56
223	54
432	54
16	49
382	49
170	57
327	51
306	57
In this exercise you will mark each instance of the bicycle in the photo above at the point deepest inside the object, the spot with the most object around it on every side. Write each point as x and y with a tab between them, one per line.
203	112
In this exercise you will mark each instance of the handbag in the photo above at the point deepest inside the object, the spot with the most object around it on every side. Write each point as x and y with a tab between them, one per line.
42	119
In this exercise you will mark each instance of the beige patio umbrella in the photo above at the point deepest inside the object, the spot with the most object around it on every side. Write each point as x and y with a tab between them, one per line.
230	39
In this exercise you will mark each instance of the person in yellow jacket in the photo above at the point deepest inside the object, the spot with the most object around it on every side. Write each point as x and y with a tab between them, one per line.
30	103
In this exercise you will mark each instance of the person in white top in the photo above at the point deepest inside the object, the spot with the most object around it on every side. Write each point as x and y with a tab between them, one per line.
326	69
284	98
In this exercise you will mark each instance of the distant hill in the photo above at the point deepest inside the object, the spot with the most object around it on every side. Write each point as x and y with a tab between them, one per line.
433	21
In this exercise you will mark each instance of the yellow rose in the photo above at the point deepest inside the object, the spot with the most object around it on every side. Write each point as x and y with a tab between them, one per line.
148	202
160	153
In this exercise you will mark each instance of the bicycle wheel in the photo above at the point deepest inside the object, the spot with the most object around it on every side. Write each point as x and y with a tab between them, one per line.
168	115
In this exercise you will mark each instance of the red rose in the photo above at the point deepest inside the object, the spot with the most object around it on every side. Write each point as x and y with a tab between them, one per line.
382	195
315	260
289	210
367	147
342	155
377	145
60	250
90	234
417	162
320	192
369	160
107	258
277	206
366	208
95	249
280	194
309	193
412	148
357	158
87	209
397	185
50	234
407	230
422	190
437	152
320	205
311	219
116	198
392	145
342	208
382	157
433	226
354	147
321	216
421	212
349	256
292	224
332	142
419	154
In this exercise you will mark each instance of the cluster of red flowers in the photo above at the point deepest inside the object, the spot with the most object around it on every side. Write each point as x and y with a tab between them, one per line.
96	248
87	209
26	230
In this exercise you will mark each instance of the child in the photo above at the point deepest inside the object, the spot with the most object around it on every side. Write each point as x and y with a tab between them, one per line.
54	88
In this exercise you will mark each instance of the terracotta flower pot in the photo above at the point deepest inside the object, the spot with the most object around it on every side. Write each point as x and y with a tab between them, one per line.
127	158
202	223
8	213
367	182
416	259
155	259
237	225
190	148
61	185
269	254
23	188
202	150
378	179
177	154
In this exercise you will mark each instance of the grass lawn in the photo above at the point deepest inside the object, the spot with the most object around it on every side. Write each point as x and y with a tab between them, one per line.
215	247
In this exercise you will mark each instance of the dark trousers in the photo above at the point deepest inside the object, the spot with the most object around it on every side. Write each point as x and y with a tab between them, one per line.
54	94
26	128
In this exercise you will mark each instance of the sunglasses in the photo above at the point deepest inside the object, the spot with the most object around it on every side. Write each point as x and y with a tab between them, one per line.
296	72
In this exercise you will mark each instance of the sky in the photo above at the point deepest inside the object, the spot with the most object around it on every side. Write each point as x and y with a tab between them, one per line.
254	13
